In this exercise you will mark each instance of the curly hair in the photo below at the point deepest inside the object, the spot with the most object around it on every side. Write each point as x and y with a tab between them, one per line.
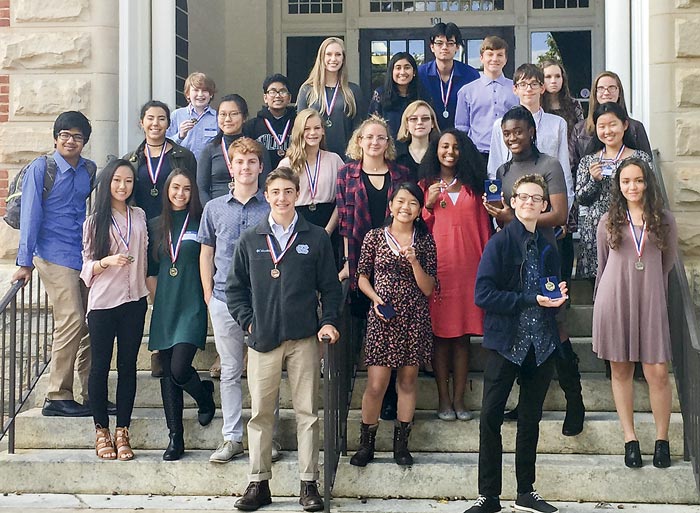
354	150
470	168
652	204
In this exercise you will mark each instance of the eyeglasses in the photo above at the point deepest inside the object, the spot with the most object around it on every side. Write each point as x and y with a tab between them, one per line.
528	85
440	43
607	89
66	136
230	115
275	92
378	138
536	198
415	119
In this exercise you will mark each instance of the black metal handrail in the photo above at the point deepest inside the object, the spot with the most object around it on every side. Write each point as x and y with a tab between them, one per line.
25	351
685	345
338	380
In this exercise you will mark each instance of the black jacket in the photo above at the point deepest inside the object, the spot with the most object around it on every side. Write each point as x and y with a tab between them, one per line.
257	129
499	283
283	308
178	156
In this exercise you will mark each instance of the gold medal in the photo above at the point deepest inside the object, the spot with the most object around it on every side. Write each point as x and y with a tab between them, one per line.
275	273
639	265
154	192
312	207
280	152
173	271
443	203
550	286
493	188
329	123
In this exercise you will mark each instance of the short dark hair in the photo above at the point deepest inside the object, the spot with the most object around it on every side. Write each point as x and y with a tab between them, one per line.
284	173
275	77
239	101
527	71
72	119
155	104
446	29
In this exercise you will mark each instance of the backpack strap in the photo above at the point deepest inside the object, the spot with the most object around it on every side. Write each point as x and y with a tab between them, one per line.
49	176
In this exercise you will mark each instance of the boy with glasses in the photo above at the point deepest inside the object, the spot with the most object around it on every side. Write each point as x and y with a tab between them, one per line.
51	239
481	102
272	126
444	76
518	287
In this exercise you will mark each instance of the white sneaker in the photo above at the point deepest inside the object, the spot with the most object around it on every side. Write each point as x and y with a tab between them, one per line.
276	450
226	451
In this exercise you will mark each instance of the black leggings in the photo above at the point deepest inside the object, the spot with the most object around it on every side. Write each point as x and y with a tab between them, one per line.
177	362
126	323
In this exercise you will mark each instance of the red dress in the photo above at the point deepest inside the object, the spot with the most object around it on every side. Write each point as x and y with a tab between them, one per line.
461	231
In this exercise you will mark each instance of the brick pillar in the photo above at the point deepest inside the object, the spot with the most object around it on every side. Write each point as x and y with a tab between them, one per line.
4	13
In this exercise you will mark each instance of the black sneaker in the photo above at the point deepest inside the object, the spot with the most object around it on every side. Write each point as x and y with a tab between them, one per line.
533	502
484	504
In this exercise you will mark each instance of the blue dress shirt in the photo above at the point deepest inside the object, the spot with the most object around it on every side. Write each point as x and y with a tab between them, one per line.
203	132
53	230
431	81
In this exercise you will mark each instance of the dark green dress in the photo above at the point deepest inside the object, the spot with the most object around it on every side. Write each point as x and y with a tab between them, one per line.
179	311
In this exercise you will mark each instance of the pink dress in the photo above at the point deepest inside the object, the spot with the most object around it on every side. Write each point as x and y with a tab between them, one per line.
460	230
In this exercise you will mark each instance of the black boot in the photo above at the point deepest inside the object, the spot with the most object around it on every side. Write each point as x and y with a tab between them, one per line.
401	454
203	393
172	404
389	402
570	383
365	454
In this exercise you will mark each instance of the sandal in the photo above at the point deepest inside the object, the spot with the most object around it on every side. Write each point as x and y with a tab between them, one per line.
104	448
121	440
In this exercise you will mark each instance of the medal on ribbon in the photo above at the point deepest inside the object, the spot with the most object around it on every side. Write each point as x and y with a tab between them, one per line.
175	250
279	139
313	180
609	165
393	243
125	238
277	258
330	106
153	174
443	188
638	242
445	94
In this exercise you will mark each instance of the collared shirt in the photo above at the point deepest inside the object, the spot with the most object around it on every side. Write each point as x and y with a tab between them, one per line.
53	229
430	78
531	321
551	139
479	104
223	221
279	231
202	133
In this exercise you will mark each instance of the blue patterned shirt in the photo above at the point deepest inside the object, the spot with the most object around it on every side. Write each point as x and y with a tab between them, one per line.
202	133
223	221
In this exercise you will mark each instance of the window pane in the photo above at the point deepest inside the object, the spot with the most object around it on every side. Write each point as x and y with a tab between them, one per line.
416	47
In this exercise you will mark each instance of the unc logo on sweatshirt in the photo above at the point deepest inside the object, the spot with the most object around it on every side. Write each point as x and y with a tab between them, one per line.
302	249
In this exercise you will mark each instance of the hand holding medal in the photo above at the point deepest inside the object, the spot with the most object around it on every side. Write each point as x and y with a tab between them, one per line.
553	295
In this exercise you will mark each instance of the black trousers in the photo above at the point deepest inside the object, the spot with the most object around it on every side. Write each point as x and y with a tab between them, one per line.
125	322
499	375
177	362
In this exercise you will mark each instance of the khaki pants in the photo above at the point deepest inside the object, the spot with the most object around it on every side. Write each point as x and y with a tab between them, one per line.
264	376
71	342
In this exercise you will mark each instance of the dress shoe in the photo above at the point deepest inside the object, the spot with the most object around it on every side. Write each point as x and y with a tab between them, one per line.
662	454
309	498
511	415
633	455
64	408
256	496
573	421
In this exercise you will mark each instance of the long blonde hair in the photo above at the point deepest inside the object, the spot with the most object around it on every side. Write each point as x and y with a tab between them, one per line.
403	134
296	153
354	150
317	80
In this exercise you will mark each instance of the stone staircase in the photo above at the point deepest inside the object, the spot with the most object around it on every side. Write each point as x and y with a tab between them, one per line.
55	455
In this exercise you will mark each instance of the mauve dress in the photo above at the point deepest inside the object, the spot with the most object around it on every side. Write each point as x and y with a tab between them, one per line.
630	317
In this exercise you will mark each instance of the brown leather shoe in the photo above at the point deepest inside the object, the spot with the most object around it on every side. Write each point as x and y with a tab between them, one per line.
309	498
256	496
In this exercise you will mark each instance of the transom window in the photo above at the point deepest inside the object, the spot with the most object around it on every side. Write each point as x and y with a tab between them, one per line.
315	6
560	4
436	6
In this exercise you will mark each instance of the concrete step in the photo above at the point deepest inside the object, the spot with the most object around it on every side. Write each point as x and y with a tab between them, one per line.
560	477
80	471
601	434
588	361
597	393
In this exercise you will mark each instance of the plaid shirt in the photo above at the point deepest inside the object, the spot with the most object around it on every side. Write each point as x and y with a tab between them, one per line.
354	220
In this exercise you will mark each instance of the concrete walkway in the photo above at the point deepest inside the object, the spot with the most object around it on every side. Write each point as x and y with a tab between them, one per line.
41	503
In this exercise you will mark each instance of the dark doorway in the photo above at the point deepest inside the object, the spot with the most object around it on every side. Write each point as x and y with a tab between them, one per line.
378	46
301	55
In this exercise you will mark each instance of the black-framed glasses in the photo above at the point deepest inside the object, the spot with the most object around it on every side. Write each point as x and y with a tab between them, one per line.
66	136
536	198
528	85
275	92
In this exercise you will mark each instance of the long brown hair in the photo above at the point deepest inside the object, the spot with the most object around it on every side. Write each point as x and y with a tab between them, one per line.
567	104
166	217
652	204
593	105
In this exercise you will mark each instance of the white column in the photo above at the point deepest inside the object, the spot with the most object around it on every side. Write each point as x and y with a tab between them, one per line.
618	55
163	51
134	69
639	98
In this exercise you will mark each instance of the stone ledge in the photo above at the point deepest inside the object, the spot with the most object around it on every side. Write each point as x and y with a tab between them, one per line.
45	50
687	37
687	134
32	11
49	96
688	87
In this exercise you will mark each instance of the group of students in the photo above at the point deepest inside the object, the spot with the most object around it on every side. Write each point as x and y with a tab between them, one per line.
250	222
